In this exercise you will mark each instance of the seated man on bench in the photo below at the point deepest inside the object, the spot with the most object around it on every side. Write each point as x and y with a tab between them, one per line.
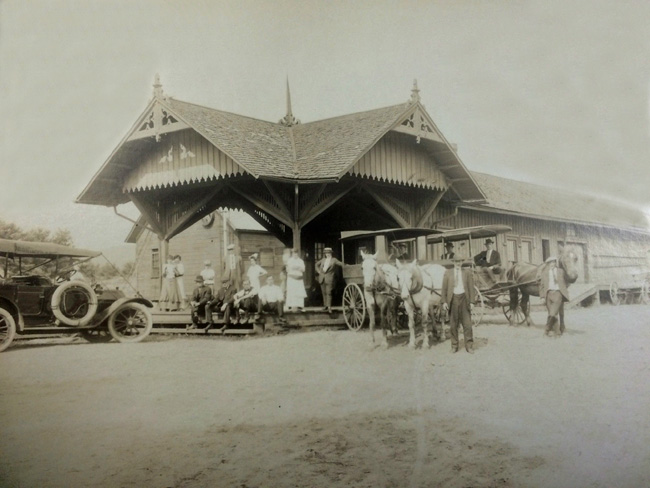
222	302
270	299
201	296
245	302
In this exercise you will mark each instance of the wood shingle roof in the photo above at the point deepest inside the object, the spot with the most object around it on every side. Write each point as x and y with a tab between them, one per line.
536	201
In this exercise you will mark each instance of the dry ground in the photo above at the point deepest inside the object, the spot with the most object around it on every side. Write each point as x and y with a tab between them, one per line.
322	409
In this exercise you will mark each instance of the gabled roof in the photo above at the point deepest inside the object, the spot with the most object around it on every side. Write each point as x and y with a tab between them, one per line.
536	201
328	148
262	148
320	150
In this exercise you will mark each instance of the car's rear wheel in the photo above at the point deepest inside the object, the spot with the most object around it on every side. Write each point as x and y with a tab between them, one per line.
132	322
7	329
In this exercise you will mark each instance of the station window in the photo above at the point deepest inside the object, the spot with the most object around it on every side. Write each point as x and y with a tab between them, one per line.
155	263
318	250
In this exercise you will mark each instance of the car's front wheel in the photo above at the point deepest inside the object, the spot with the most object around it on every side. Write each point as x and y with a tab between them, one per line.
131	322
7	329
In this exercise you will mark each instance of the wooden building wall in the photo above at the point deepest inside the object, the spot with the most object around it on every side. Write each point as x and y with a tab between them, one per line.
605	254
197	244
396	159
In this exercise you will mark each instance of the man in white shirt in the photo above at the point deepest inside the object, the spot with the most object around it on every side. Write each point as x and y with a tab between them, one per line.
208	274
554	291
270	299
457	297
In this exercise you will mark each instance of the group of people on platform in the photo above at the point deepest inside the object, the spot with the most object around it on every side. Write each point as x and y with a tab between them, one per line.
242	297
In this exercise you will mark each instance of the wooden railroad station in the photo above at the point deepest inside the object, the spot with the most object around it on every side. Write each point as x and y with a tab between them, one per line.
305	183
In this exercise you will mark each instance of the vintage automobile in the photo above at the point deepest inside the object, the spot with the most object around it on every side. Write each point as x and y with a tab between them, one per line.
33	304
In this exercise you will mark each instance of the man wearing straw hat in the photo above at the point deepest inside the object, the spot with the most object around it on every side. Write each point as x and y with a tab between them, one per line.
326	268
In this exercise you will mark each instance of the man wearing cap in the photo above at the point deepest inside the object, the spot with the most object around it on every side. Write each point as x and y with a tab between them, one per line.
222	302
201	295
554	291
232	267
326	269
489	262
208	274
457	297
449	251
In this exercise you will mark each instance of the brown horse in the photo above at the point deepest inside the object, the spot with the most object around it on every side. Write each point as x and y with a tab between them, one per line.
527	276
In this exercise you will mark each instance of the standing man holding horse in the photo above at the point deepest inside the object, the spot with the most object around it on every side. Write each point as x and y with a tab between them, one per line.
457	297
553	287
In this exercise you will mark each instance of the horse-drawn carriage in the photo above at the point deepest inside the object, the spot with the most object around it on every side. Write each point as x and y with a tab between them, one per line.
490	294
386	246
636	290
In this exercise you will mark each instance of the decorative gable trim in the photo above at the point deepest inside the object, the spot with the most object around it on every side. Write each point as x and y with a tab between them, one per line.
159	120
418	124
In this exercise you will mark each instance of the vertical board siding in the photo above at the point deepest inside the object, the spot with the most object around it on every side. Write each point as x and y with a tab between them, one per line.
156	170
195	245
610	254
396	160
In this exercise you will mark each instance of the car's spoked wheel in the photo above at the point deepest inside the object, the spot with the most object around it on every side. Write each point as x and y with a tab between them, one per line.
97	335
7	329
131	322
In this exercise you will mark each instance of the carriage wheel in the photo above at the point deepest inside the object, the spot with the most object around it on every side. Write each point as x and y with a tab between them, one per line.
614	293
519	315
354	306
645	292
479	308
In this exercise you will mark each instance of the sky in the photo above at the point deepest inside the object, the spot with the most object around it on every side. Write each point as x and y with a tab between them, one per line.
548	92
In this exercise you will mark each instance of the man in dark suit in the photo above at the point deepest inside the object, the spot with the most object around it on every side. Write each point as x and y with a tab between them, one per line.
201	297
222	302
326	269
489	262
457	297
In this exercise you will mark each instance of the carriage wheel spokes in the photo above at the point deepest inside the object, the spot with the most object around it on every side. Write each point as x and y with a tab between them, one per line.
645	292
614	293
519	314
479	308
354	306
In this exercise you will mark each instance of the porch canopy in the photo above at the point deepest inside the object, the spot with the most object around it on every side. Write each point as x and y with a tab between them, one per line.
388	167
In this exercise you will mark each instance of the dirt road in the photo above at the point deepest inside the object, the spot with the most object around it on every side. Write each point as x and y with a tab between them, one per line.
322	409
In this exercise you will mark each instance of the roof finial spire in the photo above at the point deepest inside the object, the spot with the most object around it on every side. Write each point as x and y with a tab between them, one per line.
289	120
415	92
157	87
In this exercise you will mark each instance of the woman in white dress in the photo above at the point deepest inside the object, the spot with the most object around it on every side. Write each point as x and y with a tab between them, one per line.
295	285
254	272
168	294
180	284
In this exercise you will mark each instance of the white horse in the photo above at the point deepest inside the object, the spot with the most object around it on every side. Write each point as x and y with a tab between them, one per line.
380	287
417	284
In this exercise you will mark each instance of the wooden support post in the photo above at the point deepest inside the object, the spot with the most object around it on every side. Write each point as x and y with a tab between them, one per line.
164	250
296	216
